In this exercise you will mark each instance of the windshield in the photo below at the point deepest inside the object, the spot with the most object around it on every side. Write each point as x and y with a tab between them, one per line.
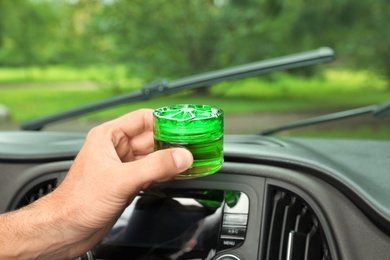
57	55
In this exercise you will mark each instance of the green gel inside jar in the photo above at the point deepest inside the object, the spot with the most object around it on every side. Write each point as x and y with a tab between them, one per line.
198	128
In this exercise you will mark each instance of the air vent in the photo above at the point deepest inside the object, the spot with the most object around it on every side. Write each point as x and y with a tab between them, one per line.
294	232
37	191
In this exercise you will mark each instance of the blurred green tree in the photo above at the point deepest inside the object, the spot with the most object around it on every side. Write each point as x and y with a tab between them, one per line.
26	30
177	38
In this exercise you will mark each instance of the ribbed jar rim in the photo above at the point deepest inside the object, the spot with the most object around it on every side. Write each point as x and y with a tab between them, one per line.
188	123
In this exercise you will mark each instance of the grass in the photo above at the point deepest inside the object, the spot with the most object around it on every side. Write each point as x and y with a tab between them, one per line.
63	73
332	85
28	104
35	92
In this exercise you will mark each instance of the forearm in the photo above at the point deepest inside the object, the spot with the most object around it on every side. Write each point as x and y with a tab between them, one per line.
36	232
115	163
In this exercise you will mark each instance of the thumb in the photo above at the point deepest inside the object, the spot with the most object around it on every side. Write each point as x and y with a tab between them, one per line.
158	166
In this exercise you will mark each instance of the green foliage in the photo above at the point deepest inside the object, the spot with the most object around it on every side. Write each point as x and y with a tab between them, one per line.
177	38
26	29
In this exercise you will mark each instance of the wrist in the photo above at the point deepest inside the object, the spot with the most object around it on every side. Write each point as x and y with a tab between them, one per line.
38	231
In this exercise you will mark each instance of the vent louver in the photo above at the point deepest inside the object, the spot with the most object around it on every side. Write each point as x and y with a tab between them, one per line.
37	191
294	232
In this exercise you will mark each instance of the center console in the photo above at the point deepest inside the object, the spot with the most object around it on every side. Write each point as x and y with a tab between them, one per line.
174	223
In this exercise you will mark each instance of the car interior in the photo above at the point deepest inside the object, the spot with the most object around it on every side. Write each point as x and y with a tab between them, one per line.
274	198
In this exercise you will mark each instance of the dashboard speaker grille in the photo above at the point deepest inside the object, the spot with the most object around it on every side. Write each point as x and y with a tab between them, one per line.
294	232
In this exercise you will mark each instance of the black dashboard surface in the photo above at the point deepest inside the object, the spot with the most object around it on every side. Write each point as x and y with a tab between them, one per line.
360	169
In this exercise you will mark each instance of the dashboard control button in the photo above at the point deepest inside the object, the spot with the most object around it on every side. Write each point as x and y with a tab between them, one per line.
235	219
226	243
233	232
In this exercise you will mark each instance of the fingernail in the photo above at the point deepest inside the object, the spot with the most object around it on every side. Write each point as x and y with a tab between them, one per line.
182	158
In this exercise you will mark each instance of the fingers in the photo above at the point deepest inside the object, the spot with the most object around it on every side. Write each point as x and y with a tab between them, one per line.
142	144
136	147
125	146
130	135
159	166
132	124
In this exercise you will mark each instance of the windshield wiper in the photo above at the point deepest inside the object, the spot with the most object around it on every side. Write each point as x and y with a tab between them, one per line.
377	111
164	87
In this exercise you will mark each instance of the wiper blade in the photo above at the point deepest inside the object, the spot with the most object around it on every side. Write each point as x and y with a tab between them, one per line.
163	87
379	110
382	110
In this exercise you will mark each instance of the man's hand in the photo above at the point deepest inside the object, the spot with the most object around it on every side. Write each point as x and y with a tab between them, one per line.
115	163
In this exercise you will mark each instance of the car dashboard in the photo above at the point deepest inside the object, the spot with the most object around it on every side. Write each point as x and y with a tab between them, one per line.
274	198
